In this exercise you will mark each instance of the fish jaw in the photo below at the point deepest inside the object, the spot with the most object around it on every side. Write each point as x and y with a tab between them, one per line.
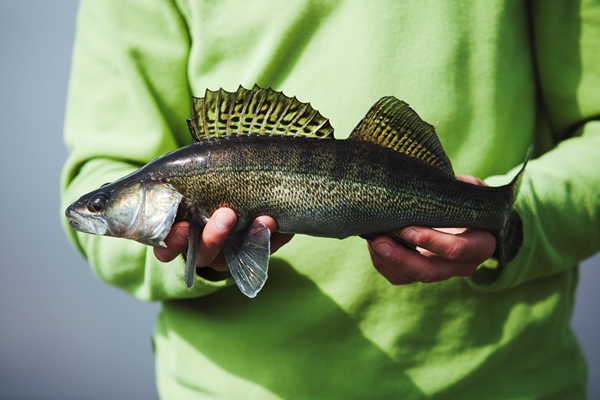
86	223
140	211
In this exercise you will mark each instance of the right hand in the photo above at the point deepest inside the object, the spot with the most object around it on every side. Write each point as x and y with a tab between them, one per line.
214	235
443	253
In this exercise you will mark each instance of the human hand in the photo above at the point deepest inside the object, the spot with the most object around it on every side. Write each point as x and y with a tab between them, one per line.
443	253
214	235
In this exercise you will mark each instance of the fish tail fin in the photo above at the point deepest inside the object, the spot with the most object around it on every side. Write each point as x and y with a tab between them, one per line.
510	237
515	184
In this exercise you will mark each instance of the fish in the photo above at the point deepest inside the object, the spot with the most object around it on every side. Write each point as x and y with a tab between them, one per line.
261	152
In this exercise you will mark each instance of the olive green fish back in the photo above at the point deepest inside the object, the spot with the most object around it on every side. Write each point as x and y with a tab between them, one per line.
262	112
393	124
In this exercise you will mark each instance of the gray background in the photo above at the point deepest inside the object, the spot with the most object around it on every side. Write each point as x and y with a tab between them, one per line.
63	333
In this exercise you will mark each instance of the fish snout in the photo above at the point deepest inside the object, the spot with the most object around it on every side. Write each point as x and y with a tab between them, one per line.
84	223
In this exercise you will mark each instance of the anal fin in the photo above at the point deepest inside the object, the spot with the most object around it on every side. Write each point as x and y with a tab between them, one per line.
247	254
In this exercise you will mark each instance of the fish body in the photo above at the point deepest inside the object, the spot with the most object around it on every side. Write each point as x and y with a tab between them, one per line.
259	152
333	188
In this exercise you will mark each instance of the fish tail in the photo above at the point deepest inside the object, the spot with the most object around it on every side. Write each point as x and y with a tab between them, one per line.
515	184
510	237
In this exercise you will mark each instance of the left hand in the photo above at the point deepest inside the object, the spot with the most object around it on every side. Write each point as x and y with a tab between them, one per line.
443	253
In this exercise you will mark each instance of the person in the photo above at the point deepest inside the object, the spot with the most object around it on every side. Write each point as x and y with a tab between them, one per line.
448	322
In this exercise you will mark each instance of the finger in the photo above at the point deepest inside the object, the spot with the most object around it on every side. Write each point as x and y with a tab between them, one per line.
470	245
219	262
401	261
268	222
277	239
393	276
471	179
176	241
214	235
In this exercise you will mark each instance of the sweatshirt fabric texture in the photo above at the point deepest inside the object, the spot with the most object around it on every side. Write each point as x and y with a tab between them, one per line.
493	77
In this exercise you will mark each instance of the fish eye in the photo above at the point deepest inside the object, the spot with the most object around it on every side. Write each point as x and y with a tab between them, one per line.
97	203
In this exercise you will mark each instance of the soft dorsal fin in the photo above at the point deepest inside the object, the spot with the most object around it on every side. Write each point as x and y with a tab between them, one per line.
393	124
262	112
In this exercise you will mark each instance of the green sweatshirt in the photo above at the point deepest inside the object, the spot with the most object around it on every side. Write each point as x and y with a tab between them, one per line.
493	77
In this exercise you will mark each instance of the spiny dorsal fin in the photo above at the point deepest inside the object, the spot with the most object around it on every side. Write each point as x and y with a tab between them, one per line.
393	124
262	112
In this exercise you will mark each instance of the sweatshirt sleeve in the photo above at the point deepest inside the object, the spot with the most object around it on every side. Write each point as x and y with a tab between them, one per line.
559	199
127	104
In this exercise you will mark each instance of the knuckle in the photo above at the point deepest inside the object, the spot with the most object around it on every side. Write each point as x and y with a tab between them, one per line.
393	259
421	240
455	251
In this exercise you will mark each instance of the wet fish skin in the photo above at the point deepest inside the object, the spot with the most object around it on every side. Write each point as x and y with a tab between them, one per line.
260	152
334	188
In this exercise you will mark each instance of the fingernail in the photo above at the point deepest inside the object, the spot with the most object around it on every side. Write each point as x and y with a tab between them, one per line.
181	234
409	234
383	248
223	221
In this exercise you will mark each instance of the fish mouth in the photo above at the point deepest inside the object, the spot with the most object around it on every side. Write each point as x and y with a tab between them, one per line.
85	223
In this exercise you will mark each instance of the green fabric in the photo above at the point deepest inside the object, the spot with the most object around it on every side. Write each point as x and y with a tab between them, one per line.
493	77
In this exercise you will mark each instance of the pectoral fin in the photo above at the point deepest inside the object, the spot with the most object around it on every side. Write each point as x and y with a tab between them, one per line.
196	227
247	254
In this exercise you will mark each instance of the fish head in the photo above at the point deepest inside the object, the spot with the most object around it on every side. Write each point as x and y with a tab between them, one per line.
143	211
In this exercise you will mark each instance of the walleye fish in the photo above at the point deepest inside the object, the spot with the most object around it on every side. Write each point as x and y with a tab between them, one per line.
260	152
